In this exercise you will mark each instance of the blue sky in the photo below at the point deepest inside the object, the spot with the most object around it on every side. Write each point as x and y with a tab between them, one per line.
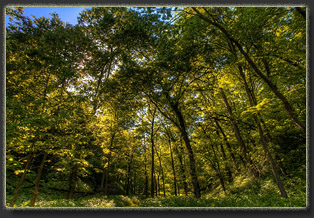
66	14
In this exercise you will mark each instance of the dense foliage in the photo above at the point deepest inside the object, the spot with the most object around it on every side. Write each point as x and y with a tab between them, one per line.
157	107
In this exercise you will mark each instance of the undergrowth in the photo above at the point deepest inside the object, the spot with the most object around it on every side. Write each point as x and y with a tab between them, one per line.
243	192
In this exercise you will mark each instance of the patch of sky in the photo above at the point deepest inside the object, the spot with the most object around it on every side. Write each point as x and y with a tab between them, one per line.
200	119
66	13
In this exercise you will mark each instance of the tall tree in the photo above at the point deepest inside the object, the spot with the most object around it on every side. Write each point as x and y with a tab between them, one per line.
216	21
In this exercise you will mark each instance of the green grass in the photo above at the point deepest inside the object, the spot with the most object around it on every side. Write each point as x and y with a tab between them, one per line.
247	200
227	201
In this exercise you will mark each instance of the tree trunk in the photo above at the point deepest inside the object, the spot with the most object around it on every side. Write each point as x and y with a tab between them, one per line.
106	178
227	166
158	184
134	183
127	189
228	145
106	171
155	181
182	169
282	168
19	186
272	86
41	166
72	183
271	160
146	176
238	135
173	168
37	181
216	166
153	155
182	128
217	170
263	138
102	181
162	172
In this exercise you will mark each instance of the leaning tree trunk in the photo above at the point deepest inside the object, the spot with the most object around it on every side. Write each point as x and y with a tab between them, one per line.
238	135
35	193
215	164
225	160
263	138
290	110
228	145
227	165
41	166
19	186
270	159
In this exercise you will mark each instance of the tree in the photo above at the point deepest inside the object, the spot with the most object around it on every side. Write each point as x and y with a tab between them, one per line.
45	76
257	70
140	101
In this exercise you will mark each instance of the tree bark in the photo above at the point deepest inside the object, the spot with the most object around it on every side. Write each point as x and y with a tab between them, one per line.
216	169
155	181
153	155
72	182
173	168
238	135
185	185
19	186
37	181
146	176
106	176
127	189
158	184
182	128
263	138
215	164
228	145
270	160
162	172
41	166
102	181
134	183
227	166
106	171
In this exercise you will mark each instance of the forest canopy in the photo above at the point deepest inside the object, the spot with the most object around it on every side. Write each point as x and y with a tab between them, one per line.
157	107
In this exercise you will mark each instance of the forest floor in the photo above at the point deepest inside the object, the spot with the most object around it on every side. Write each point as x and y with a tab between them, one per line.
244	192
